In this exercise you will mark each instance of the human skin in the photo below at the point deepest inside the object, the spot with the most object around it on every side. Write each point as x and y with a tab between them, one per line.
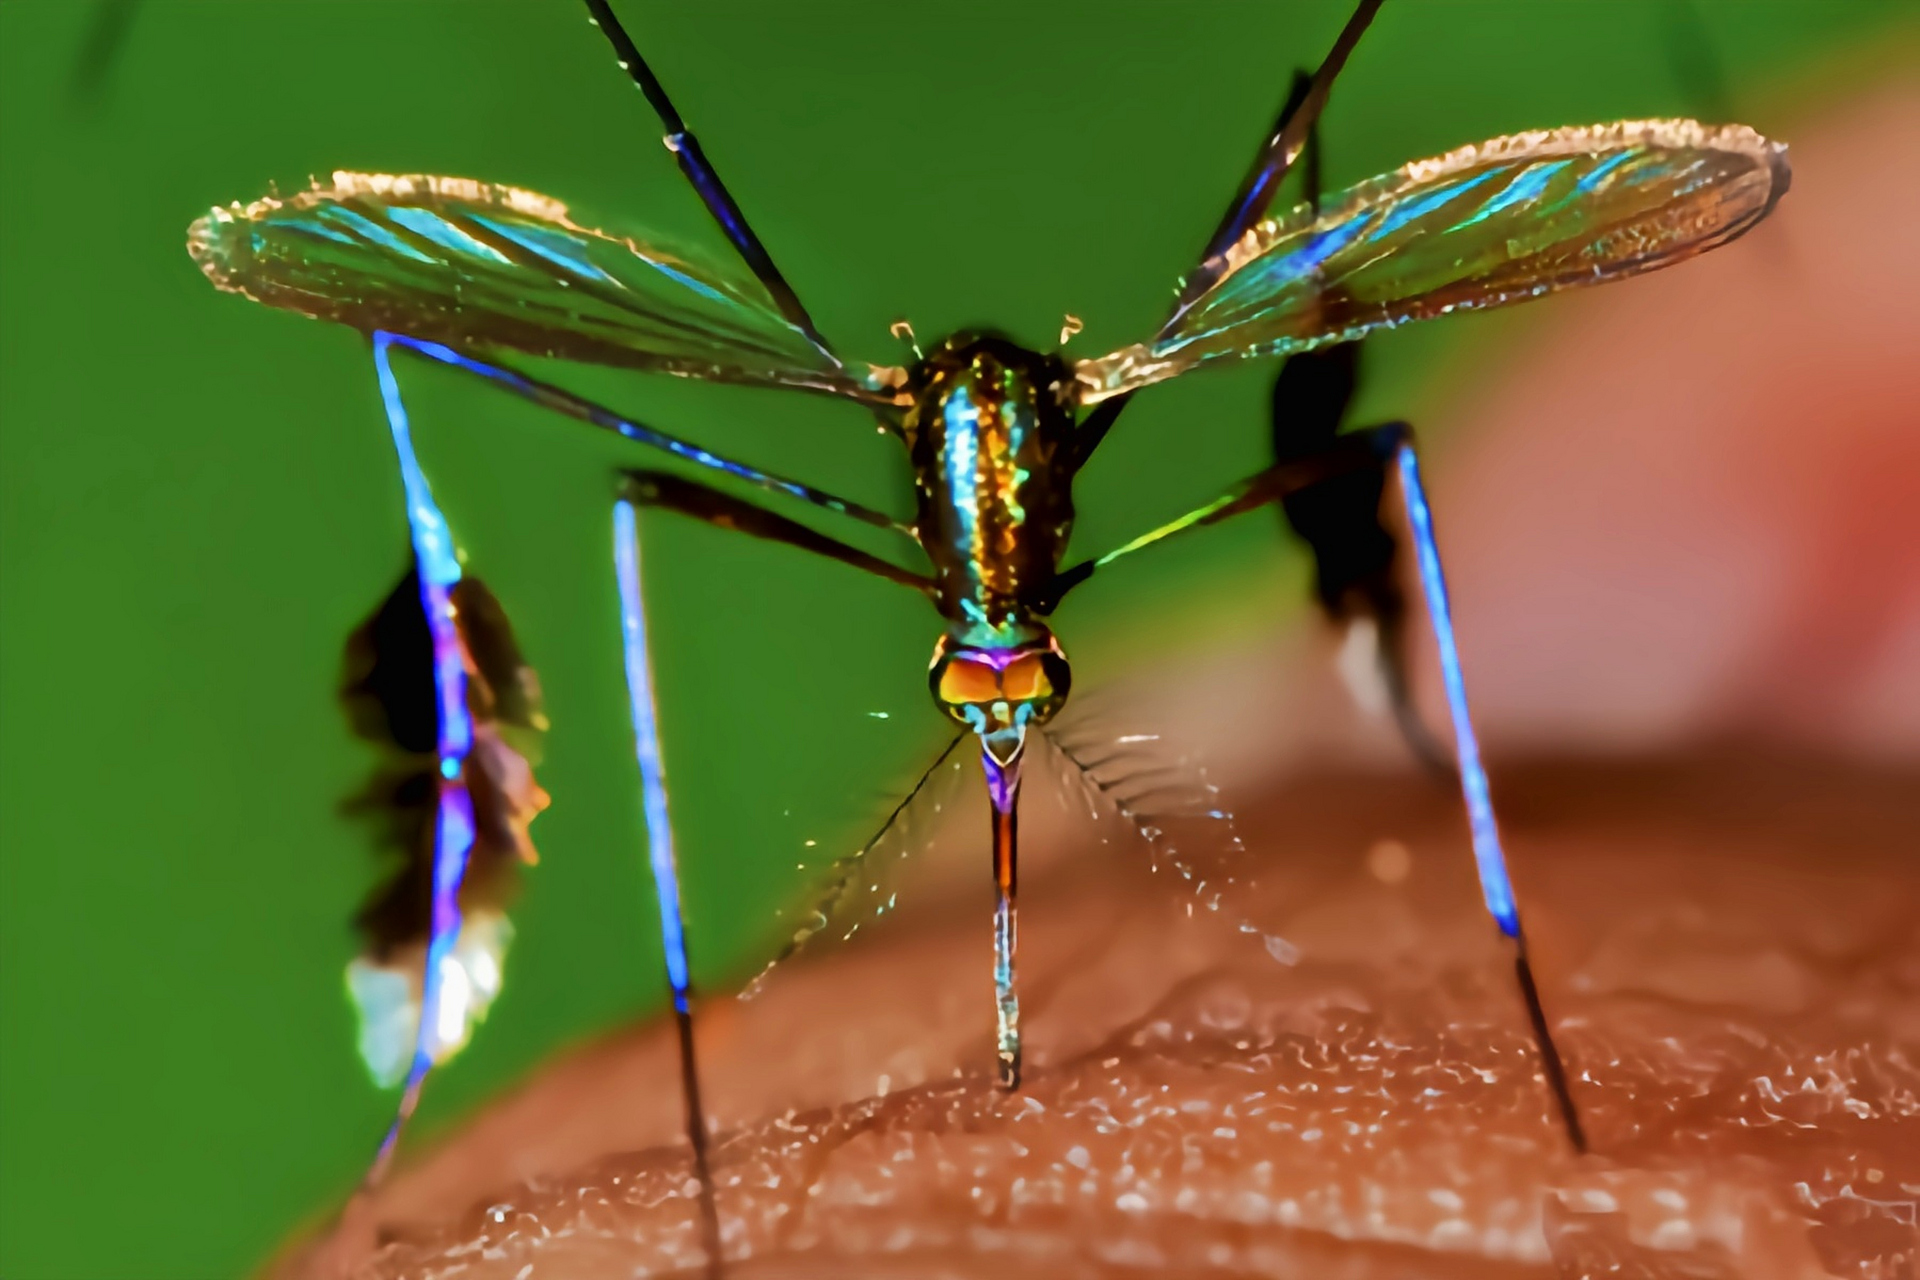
1681	534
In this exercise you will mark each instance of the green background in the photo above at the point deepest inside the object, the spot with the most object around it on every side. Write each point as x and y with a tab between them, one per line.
199	499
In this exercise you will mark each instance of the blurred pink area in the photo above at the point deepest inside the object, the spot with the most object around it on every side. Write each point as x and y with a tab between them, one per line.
1690	507
1681	511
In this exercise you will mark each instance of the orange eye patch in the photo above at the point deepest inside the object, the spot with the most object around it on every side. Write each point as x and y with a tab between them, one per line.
1023	680
964	681
1026	679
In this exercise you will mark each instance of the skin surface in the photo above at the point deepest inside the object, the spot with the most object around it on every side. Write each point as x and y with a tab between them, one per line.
1741	1024
1709	574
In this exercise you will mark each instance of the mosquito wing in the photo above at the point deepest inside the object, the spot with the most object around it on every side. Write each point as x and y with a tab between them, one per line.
861	886
490	269
1482	226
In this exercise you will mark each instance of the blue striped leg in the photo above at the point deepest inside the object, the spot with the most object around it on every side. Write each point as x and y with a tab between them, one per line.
1347	453
439	571
703	177
1291	134
666	878
560	400
1492	862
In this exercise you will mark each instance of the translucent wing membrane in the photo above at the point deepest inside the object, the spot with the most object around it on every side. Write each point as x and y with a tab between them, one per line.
487	268
1482	226
389	695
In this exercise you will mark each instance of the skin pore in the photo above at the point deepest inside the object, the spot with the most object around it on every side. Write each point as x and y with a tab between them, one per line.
1691	618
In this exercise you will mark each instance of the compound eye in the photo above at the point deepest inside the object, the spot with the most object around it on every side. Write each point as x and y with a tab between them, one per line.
1059	674
1025	679
964	681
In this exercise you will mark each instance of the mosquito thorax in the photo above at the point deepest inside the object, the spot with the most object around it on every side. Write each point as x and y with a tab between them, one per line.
990	432
999	692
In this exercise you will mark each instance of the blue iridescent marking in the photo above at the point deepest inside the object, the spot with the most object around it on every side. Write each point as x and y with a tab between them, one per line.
1647	168
453	831
681	277
1591	183
713	195
1264	283
371	231
1526	185
1494	885
312	227
426	223
1240	212
555	248
1400	215
1324	246
1269	277
1634	177
962	459
646	749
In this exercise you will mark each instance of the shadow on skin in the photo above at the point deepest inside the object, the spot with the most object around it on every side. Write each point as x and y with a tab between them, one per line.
1725	937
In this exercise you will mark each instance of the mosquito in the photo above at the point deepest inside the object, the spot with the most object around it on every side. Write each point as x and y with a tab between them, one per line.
468	274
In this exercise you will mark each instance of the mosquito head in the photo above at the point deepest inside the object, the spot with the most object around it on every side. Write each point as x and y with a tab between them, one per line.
999	692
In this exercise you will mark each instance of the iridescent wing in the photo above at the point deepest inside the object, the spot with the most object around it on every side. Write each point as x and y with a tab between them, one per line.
1482	226
489	269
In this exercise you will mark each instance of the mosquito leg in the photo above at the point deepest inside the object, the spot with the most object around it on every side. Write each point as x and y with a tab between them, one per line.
1291	131
1339	519
1276	156
700	172
453	831
1003	788
689	497
1494	884
1346	454
548	396
1360	451
666	880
